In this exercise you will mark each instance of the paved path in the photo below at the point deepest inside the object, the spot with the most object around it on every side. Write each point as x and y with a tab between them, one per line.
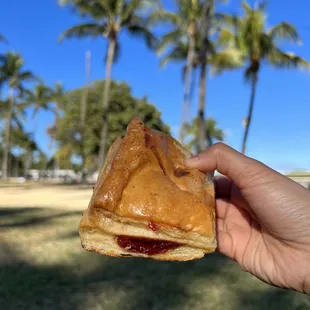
71	197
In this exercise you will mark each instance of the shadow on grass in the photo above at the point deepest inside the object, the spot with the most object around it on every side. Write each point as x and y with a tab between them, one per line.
275	299
130	284
97	282
23	217
15	211
135	284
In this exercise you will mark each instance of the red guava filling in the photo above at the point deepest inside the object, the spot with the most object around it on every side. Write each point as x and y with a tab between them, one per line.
145	246
153	226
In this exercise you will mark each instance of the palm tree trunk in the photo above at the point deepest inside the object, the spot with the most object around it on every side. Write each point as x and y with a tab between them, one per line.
206	22
106	98
201	108
209	139
28	161
193	84
250	113
57	118
7	136
83	113
187	86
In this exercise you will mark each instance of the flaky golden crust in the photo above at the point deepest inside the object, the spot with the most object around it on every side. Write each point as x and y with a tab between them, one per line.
145	181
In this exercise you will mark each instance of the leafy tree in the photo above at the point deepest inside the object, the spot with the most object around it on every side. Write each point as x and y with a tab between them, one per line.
258	44
212	133
122	108
41	162
13	74
108	19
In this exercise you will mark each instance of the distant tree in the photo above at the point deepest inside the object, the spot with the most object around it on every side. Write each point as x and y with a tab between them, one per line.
258	44
40	161
58	97
107	20
2	38
212	133
40	98
25	141
13	74
22	143
122	108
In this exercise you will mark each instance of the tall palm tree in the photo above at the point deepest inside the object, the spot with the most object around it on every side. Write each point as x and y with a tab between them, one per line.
83	111
212	133
2	39
57	98
205	49
12	73
58	93
189	40
108	19
185	32
257	44
40	98
218	60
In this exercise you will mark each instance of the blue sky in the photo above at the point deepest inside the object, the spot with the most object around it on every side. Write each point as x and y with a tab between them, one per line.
280	133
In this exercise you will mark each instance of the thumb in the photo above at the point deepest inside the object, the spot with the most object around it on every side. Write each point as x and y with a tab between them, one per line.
242	170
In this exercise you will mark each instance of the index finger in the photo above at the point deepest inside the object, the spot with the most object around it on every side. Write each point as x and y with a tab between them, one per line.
241	169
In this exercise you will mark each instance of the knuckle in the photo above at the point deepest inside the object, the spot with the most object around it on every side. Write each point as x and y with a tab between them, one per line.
217	149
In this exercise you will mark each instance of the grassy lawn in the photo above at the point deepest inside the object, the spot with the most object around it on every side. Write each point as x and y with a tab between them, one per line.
44	267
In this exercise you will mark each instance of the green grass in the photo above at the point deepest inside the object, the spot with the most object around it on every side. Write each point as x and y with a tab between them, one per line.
299	173
44	267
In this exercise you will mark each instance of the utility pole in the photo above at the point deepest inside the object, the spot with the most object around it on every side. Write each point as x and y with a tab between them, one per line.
83	110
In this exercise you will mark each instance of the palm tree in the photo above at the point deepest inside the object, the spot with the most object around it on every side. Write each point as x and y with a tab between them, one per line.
189	41
57	97
259	44
84	111
108	19
212	133
2	39
25	141
40	98
182	39
218	61
12	73
205	48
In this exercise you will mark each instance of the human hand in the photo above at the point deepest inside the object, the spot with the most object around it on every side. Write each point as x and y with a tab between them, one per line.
263	217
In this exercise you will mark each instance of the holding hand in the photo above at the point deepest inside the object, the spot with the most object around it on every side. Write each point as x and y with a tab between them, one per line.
263	217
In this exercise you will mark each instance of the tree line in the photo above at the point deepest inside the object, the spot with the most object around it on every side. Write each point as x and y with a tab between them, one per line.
199	36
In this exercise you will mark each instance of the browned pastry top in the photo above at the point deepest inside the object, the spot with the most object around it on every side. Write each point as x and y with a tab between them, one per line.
145	178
